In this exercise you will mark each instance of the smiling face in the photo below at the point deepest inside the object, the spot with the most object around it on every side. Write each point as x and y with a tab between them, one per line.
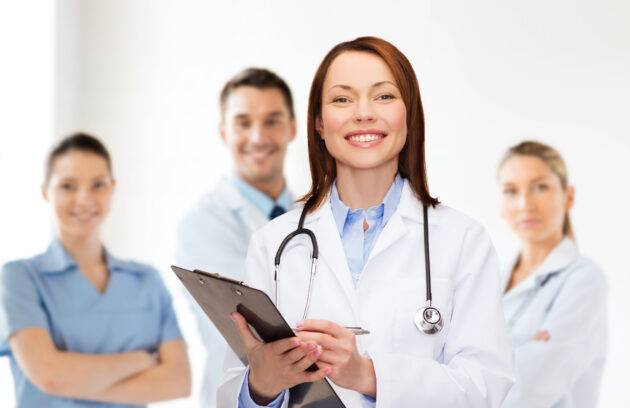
80	191
533	200
257	129
363	117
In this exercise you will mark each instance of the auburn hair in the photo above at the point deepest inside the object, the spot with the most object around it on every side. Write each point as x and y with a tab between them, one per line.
411	162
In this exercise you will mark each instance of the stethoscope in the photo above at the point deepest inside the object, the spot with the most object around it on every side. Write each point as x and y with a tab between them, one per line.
427	319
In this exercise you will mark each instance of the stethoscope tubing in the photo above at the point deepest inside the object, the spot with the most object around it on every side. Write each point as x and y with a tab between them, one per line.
430	326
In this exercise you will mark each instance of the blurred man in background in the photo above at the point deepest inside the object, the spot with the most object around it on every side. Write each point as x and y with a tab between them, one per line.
257	124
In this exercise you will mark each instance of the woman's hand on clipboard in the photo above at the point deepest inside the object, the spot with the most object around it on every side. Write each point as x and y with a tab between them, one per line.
279	365
339	353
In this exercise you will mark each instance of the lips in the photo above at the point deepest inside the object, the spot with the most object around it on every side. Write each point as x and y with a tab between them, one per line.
529	222
365	137
84	217
259	154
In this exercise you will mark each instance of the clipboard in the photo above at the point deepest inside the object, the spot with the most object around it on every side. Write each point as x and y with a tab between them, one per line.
219	296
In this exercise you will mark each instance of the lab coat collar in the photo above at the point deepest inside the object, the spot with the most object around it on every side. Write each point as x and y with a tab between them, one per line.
561	256
331	251
229	196
410	207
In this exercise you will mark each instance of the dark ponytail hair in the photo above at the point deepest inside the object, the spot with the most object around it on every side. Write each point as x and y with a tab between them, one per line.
81	142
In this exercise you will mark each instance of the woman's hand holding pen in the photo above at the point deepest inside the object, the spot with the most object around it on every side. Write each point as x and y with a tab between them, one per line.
279	365
340	354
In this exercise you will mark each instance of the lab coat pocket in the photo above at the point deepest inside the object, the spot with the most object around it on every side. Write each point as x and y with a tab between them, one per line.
407	337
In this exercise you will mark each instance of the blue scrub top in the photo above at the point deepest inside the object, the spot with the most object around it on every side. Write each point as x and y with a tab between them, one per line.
48	291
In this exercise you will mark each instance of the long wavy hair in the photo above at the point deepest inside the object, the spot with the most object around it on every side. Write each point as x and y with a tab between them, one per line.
411	161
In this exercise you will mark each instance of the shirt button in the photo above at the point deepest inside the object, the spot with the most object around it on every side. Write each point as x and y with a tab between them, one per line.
373	213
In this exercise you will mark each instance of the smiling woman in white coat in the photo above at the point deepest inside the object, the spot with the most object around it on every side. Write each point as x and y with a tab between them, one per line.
555	299
366	207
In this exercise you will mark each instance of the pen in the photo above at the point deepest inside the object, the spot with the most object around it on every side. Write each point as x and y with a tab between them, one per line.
356	330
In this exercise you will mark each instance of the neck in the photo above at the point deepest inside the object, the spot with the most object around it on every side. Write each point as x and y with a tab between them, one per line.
84	250
534	253
272	188
365	188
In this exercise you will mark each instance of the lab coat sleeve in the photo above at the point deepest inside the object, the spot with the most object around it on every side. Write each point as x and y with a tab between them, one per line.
477	369
208	239
256	275
546	371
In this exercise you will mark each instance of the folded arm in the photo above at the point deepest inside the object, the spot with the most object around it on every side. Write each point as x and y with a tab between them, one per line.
68	374
169	379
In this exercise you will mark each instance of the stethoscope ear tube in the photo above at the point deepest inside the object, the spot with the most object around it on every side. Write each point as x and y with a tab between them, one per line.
300	230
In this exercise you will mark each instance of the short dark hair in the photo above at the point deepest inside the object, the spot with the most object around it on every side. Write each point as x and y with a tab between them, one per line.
79	141
260	78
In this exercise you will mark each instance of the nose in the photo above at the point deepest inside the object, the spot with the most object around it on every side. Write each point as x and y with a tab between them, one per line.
526	201
256	133
363	111
83	196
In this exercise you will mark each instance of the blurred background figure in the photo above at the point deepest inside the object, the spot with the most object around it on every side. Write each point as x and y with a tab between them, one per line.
257	124
555	299
78	324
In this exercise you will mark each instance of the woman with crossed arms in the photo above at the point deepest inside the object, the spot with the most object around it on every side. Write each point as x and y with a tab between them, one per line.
83	328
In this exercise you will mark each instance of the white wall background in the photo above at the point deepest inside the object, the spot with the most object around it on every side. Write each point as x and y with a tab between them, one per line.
145	77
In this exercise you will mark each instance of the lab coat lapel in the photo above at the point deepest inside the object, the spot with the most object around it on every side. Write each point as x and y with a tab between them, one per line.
331	250
249	214
558	259
396	229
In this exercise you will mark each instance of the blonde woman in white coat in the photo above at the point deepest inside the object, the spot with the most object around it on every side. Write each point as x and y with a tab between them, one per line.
366	147
555	299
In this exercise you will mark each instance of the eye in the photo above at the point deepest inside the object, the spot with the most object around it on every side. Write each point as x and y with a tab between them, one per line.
509	191
540	187
243	124
66	186
341	99
98	185
272	122
386	97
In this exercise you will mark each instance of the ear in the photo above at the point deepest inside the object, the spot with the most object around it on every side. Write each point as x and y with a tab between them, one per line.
569	197
44	193
222	131
319	127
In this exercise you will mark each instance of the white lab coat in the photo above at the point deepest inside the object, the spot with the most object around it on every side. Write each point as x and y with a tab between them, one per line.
467	364
213	236
566	371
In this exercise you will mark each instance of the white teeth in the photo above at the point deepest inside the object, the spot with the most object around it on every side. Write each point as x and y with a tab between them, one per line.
365	138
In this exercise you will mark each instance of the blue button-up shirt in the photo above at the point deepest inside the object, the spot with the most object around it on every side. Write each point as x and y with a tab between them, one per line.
260	199
48	291
357	245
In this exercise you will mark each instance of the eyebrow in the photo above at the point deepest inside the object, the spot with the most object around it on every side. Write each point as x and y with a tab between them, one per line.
529	181
375	85
74	180
248	116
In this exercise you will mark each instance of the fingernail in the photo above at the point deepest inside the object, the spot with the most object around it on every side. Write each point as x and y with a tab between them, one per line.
232	316
328	371
294	332
295	343
318	353
300	323
311	346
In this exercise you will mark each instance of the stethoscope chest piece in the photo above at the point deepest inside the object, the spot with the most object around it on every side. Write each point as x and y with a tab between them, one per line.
428	320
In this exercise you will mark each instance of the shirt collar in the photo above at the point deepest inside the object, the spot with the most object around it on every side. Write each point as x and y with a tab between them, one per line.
57	259
260	199
390	203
